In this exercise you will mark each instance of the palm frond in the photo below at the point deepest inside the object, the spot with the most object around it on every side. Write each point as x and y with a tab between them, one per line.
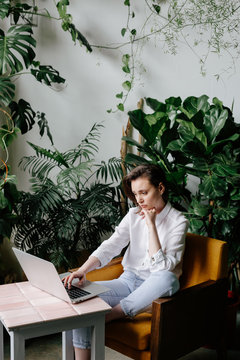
99	200
88	147
37	205
43	162
72	178
113	169
56	156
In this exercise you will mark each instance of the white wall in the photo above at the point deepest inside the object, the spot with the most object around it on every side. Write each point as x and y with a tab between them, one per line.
93	79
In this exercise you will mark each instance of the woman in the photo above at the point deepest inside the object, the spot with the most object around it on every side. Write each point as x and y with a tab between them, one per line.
155	234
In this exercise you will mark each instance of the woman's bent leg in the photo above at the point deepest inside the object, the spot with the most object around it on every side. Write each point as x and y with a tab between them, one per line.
159	284
82	336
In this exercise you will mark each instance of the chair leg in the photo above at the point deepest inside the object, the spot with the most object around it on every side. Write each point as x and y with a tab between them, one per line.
221	350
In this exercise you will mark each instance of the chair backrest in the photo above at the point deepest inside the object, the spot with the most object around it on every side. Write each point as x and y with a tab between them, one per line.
204	259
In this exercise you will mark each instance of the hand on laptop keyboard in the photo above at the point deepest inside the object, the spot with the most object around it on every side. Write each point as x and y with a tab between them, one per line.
74	292
76	274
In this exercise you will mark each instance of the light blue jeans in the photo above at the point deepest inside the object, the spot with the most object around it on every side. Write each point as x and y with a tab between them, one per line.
134	295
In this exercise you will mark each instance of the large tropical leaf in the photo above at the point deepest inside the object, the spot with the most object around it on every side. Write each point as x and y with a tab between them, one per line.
226	213
156	105
139	121
189	132
15	45
22	115
193	104
7	90
46	74
214	121
213	187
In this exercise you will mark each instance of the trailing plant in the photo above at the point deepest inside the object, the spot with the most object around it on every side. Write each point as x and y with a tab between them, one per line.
67	210
206	27
214	29
198	142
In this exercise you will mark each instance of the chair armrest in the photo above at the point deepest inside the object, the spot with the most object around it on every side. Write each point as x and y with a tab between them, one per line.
111	271
188	319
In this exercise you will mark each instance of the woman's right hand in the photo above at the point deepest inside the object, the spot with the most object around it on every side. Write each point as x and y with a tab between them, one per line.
79	274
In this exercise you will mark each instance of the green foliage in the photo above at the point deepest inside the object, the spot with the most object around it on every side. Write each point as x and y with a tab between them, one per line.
66	211
193	140
46	74
206	27
7	90
17	54
9	197
17	57
67	25
17	40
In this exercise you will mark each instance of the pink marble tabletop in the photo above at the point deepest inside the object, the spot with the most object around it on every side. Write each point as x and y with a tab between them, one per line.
23	304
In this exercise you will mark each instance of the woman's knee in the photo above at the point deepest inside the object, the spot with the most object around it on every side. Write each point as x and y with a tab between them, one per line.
167	279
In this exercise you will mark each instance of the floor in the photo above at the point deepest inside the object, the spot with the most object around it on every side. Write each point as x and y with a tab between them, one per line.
49	348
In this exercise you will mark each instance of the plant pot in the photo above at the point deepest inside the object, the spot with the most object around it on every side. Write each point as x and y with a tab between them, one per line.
231	320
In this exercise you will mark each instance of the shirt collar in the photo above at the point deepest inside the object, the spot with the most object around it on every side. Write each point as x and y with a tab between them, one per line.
164	212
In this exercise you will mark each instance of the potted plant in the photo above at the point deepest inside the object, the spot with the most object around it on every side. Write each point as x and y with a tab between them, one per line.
17	58
68	210
196	142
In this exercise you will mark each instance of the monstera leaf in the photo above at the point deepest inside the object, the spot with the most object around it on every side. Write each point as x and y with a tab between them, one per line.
23	115
4	8
14	46
7	91
46	74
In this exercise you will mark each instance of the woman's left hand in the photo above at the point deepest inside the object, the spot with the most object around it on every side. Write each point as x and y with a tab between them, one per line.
149	215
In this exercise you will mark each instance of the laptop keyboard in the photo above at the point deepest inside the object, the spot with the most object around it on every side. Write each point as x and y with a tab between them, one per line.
75	292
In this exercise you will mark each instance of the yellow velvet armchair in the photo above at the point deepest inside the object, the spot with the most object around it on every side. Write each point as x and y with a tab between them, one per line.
177	325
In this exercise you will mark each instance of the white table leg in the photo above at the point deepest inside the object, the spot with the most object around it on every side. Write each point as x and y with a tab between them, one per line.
67	346
17	346
1	342
98	339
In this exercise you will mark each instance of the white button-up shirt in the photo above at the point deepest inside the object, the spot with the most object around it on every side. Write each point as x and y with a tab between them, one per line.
133	231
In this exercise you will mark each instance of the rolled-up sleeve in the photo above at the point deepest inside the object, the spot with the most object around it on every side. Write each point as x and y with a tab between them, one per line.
173	246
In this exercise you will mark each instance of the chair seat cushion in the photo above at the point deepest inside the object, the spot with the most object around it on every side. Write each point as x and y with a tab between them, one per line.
134	332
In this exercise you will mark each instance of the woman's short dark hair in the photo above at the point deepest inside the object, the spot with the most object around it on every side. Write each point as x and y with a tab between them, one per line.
152	172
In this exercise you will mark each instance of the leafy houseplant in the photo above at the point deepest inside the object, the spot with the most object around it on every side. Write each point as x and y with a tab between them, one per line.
17	58
195	140
70	213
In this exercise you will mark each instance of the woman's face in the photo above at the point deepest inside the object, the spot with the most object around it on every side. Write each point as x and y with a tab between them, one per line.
147	195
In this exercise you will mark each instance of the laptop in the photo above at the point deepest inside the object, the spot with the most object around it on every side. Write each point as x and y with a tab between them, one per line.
43	274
